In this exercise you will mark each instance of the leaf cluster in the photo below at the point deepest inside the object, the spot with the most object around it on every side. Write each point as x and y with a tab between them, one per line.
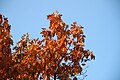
59	55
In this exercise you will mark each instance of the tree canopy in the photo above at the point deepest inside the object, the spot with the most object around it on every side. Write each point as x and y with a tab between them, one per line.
59	55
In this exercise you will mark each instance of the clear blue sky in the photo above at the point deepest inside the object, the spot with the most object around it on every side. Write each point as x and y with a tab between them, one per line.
100	18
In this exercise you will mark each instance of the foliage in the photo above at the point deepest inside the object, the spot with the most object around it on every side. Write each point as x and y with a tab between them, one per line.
59	55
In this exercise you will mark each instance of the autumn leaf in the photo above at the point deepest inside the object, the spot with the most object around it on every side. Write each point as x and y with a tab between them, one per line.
83	64
74	23
92	56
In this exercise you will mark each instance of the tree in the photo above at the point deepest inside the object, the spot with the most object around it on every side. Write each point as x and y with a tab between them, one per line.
59	55
5	50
